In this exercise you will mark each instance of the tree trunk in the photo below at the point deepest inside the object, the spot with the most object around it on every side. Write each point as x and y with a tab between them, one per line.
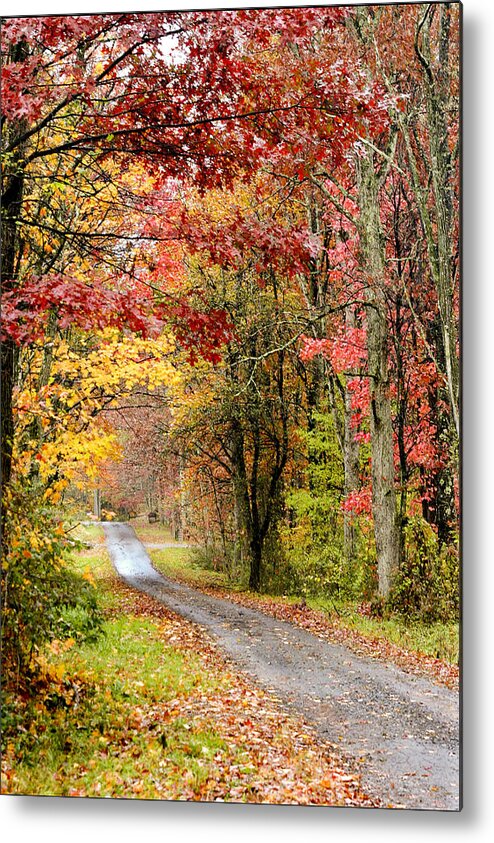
243	513
351	450
97	503
386	530
240	526
12	193
255	546
11	201
436	216
437	99
8	364
181	507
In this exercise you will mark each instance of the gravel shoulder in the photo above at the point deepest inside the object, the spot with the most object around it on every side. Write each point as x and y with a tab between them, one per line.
401	731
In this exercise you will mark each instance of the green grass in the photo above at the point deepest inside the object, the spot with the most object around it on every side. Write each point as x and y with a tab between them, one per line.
98	727
105	719
440	640
101	745
147	532
181	562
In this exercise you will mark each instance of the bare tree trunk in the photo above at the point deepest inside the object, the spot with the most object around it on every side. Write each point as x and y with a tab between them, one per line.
11	202
437	99
351	450
97	503
383	491
181	511
240	527
8	366
436	216
243	515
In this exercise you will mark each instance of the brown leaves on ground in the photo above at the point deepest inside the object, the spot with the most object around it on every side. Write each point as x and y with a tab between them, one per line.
283	761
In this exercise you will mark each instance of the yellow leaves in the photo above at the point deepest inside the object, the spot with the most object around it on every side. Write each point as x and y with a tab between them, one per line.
50	671
116	365
88	576
138	179
62	428
25	543
52	495
57	671
222	204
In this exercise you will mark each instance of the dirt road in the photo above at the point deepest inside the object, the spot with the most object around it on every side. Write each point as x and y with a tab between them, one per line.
402	731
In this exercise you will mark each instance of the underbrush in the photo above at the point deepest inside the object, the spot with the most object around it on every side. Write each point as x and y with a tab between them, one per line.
439	640
96	723
44	595
188	565
427	587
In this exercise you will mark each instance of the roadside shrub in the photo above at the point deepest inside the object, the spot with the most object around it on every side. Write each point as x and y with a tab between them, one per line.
317	566
314	571
42	598
210	557
428	584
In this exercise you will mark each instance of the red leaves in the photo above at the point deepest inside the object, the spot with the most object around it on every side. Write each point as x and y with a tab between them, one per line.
358	502
17	100
243	238
311	347
25	309
92	306
219	70
201	333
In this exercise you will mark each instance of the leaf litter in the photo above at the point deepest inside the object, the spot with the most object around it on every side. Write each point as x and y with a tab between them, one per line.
220	740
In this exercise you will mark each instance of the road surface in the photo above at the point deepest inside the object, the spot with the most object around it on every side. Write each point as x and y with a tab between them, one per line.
401	730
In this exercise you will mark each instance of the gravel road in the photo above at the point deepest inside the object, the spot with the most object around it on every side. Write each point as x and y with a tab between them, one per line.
400	730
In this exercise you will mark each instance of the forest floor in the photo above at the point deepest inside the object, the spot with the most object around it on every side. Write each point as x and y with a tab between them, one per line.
398	729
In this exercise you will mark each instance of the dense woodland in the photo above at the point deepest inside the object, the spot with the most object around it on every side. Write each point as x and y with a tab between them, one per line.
230	271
